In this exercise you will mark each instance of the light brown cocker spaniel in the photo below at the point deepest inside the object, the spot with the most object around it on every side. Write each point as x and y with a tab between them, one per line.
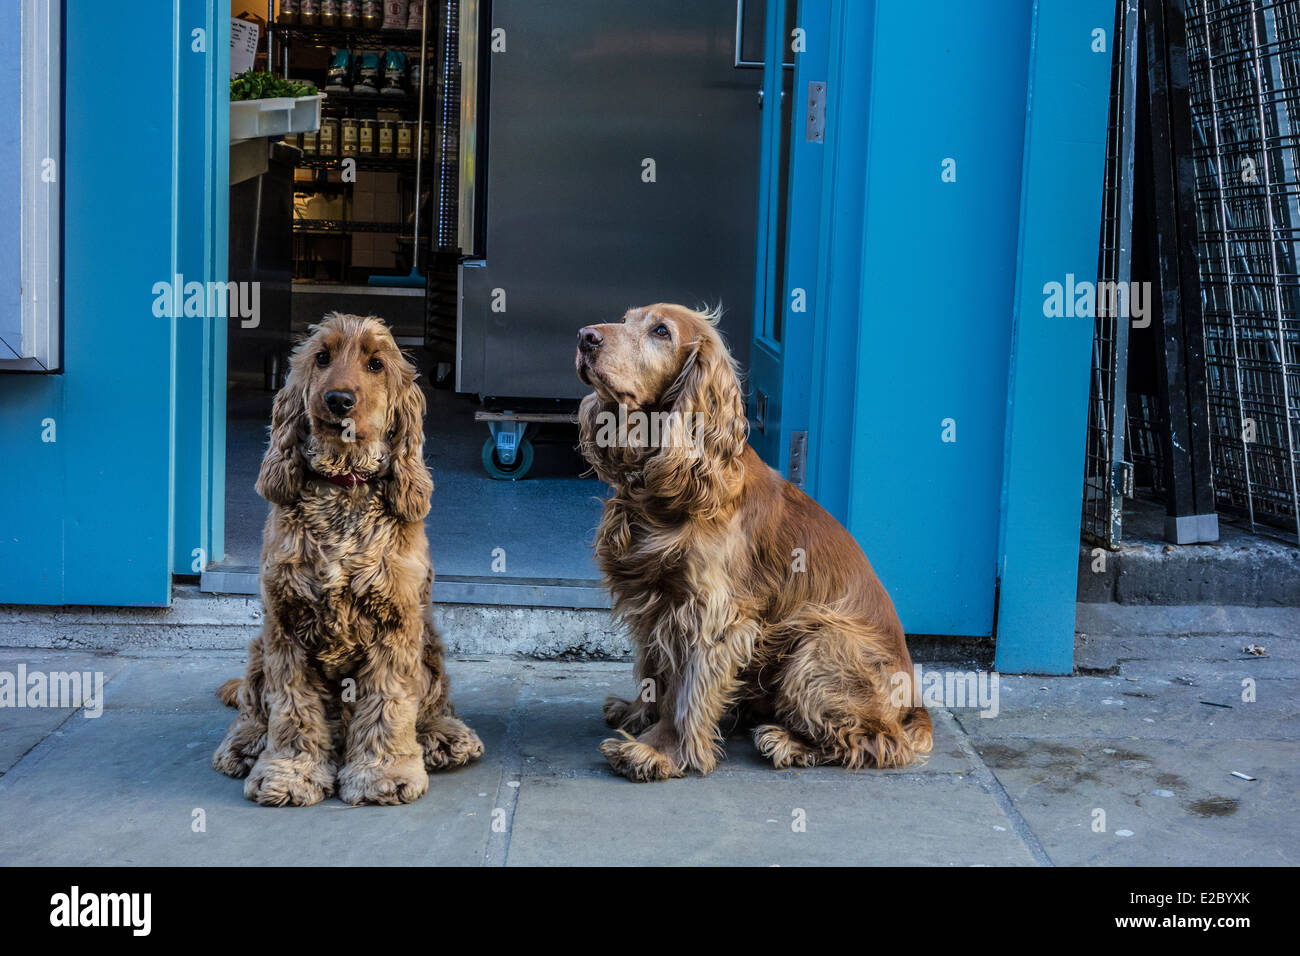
740	592
345	686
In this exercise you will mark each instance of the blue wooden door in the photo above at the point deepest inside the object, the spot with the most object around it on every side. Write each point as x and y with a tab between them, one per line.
940	230
940	219
886	260
912	224
899	238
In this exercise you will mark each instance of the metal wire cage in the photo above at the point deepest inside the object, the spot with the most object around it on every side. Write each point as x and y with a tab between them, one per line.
1244	71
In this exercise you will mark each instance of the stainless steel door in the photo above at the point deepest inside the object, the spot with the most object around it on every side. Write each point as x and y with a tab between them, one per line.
622	168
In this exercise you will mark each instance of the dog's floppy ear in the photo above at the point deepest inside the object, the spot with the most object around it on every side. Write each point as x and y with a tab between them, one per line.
707	428
281	476
410	484
708	388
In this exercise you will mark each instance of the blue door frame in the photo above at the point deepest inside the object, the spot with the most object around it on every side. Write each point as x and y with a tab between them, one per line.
961	170
1047	392
128	482
780	364
201	227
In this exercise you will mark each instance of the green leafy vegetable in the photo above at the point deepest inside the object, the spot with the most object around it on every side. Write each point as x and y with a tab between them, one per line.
254	85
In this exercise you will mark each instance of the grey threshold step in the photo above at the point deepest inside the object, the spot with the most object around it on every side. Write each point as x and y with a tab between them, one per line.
450	588
1255	572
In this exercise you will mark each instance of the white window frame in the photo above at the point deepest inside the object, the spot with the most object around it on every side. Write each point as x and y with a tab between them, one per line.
40	348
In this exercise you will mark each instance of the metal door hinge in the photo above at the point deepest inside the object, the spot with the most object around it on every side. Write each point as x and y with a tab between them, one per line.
816	132
798	458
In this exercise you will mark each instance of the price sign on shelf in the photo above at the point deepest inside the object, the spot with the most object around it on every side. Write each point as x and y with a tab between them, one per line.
243	45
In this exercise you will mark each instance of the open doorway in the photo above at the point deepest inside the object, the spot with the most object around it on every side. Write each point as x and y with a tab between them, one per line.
359	212
486	262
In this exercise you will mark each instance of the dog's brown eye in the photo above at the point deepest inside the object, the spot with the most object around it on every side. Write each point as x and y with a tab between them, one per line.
661	330
322	359
375	365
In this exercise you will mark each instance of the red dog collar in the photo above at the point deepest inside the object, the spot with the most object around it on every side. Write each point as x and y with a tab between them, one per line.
349	480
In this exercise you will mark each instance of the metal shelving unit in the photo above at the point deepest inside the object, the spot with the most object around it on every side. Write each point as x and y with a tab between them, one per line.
354	103
364	163
340	105
408	41
340	226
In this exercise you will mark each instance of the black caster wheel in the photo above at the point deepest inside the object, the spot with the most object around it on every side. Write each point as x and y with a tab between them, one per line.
492	464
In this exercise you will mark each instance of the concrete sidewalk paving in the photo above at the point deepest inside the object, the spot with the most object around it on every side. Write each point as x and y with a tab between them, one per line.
1136	736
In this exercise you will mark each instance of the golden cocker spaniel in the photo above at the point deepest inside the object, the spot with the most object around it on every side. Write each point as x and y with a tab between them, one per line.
345	685
738	589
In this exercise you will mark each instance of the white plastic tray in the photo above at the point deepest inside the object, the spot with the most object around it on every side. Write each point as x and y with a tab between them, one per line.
275	116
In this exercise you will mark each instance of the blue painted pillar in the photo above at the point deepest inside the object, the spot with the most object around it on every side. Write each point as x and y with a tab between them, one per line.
95	527
113	446
1060	217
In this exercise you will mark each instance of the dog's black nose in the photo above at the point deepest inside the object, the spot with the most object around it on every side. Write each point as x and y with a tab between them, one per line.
340	402
589	339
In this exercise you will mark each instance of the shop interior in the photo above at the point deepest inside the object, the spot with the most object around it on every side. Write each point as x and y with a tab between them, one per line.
608	158
362	215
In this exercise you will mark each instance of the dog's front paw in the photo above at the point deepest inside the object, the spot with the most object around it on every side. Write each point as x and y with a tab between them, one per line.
783	748
293	781
637	761
397	780
244	743
627	715
449	743
231	761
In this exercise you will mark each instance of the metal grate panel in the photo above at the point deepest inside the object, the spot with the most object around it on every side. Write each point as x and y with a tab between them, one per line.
1244	63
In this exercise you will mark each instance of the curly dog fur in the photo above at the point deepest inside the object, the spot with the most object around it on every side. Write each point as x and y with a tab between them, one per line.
345	688
740	592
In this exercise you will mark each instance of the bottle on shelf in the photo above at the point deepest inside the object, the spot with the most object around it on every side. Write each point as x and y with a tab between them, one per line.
349	136
327	144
